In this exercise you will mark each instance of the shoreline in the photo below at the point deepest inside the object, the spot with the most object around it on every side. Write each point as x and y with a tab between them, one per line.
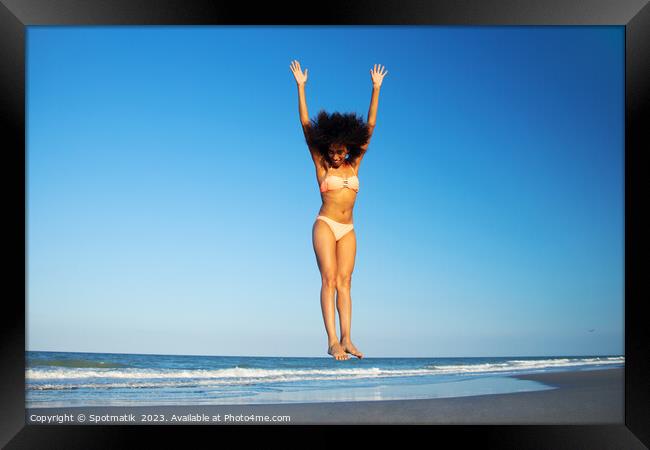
593	396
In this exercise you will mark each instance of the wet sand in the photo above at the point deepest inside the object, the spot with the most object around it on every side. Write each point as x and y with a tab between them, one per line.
578	397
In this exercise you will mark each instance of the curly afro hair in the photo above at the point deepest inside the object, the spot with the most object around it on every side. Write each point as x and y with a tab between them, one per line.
347	129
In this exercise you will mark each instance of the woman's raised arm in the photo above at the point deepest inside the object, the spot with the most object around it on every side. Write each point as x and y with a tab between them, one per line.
377	74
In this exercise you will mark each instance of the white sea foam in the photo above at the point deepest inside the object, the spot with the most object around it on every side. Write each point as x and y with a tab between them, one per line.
71	378
237	373
520	365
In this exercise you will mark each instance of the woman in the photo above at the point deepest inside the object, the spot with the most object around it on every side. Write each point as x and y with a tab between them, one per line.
337	143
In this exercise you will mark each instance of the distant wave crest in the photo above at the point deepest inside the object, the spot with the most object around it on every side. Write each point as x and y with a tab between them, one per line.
519	365
74	363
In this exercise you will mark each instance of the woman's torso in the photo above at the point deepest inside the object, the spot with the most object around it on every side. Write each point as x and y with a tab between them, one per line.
341	193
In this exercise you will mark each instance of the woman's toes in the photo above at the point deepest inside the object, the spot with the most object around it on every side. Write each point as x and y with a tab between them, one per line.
338	352
350	348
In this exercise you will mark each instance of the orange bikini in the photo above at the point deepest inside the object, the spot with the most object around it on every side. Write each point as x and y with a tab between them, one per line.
333	182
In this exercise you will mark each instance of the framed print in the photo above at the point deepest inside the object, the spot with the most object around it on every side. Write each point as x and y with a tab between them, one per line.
422	214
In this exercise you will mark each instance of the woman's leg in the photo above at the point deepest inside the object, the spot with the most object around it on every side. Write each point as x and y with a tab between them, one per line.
346	250
325	249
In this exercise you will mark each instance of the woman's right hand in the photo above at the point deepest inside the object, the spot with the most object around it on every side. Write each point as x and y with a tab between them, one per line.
301	78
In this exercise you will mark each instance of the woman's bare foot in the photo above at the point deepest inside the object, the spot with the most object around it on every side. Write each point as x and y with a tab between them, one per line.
349	347
337	351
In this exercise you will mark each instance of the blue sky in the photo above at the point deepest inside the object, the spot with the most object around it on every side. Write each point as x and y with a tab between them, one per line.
170	194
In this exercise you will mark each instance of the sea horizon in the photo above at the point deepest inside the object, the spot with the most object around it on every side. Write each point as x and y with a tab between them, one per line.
326	356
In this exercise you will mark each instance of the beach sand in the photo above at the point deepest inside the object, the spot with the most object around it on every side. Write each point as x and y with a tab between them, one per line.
578	397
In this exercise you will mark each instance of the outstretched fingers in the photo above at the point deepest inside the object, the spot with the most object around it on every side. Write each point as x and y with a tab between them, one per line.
379	70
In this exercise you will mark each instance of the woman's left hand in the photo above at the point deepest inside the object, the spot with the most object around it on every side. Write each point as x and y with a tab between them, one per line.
378	73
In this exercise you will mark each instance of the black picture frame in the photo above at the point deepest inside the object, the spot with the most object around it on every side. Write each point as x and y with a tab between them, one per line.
634	15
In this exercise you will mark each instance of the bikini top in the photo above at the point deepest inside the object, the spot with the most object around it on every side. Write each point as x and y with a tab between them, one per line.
335	182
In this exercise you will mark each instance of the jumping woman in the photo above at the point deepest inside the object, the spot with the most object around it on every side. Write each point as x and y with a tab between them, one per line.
337	143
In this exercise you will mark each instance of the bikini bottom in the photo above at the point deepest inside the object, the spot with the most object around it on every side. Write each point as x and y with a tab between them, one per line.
339	229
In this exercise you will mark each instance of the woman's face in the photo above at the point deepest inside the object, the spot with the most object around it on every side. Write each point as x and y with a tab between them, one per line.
337	154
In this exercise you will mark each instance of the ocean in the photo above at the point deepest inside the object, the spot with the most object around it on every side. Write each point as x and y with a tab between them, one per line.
65	379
